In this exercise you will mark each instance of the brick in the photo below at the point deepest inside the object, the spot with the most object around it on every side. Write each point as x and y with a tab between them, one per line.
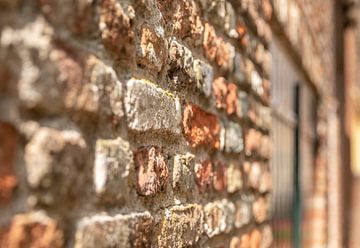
8	150
257	83
219	86
225	54
149	108
151	170
219	176
188	72
200	128
234	178
183	18
252	141
52	157
239	69
245	241
106	87
254	176
242	214
255	238
210	42
152	50
265	182
219	217
203	175
233	138
32	230
203	76
75	16
132	230
266	147
243	104
116	29
113	161
223	15
266	9
260	209
234	242
181	226
267	237
183	175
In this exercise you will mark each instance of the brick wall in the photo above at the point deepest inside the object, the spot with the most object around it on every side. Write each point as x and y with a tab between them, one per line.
134	123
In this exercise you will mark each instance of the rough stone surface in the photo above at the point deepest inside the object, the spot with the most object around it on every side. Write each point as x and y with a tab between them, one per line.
181	226
219	217
200	127
260	209
149	108
233	138
52	157
113	161
234	178
32	230
242	215
204	175
183	175
133	230
151	170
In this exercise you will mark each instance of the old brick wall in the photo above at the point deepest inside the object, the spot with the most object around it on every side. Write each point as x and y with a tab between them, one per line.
134	123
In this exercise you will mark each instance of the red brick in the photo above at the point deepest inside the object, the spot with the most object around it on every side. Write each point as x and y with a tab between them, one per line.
151	170
245	241
266	9
203	175
255	238
200	127
226	95
219	179
32	230
116	29
210	43
8	145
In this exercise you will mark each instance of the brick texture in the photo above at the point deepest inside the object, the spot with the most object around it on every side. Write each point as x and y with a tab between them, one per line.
134	124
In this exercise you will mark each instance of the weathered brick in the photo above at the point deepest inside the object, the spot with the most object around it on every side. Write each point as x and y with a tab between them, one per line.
210	43
203	175
243	104
116	29
133	230
54	157
260	209
76	16
200	128
152	50
239	68
181	226
233	138
187	72
265	182
183	18
219	176
255	238
254	175
151	170
225	54
149	108
32	230
113	161
252	141
183	175
245	241
242	214
219	86
267	237
107	89
219	217
257	83
8	148
234	178
234	242
222	14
